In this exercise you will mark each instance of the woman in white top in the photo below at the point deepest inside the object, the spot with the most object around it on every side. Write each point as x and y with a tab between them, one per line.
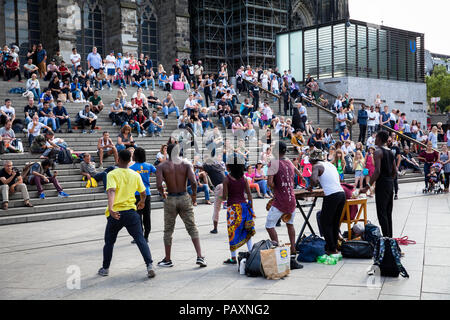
334	201
378	101
265	80
34	86
162	155
433	137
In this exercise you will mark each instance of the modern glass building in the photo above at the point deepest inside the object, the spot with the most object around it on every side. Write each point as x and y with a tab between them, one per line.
350	48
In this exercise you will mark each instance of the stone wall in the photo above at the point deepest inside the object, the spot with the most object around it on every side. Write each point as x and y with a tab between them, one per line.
113	26
128	28
49	24
173	17
2	24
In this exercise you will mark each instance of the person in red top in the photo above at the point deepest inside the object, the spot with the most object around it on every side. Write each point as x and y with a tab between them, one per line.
281	173
429	156
64	72
12	69
140	119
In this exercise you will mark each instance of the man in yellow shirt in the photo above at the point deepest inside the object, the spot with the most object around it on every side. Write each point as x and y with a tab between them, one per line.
121	212
297	140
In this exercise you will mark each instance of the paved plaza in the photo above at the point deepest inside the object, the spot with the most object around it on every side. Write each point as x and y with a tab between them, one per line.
40	260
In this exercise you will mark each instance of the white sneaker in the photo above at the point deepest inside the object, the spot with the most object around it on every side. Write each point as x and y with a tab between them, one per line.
114	124
144	135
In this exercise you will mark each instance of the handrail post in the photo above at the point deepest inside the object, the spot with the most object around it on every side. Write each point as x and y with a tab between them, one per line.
318	116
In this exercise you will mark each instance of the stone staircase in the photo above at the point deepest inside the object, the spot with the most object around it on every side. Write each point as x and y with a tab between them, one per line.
87	202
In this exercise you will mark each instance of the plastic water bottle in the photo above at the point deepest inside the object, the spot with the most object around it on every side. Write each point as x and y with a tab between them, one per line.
242	266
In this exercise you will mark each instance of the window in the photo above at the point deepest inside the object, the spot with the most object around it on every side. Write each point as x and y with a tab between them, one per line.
339	50
351	50
362	51
91	33
325	59
148	31
373	50
311	53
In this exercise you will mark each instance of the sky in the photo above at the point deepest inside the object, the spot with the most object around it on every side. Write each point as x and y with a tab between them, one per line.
429	17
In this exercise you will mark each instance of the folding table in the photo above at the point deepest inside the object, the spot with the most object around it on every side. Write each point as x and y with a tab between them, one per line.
301	195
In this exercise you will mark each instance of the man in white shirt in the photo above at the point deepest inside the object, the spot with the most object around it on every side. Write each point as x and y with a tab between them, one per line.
34	128
110	64
190	104
377	118
371	140
347	148
371	120
75	58
7	112
29	68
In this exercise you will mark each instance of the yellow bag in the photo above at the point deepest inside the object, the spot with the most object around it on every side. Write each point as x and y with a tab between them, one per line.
92	183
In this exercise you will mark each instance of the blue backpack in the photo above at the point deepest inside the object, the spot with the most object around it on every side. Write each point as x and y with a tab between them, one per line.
387	258
310	248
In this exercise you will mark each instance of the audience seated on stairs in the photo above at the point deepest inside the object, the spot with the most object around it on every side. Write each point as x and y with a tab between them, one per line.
86	118
95	103
88	171
8	140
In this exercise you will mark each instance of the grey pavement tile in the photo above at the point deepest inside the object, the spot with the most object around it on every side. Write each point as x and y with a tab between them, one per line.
436	279
271	296
435	256
396	297
440	219
434	296
403	286
438	236
355	275
299	286
351	293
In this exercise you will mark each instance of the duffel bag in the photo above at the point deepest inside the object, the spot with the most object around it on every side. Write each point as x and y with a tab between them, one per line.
310	248
357	250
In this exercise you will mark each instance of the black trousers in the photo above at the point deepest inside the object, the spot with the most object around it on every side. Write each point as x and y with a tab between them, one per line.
384	199
208	97
85	122
287	108
330	217
362	133
145	215
12	73
255	102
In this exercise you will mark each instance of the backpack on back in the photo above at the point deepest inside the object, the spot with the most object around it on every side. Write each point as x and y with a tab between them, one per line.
253	263
64	157
387	258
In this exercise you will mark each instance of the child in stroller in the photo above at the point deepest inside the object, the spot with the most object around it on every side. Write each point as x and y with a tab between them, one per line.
435	179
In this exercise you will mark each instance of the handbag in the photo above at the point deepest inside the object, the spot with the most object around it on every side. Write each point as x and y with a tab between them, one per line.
310	248
275	262
357	249
62	97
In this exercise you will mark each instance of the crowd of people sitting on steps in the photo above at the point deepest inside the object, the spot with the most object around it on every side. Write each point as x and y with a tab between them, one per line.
212	102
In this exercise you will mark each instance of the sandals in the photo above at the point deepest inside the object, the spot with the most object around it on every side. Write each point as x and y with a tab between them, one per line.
28	204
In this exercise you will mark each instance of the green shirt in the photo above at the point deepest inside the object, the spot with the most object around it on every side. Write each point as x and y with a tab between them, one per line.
95	101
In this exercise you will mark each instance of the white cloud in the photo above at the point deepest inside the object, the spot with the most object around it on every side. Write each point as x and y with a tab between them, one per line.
429	17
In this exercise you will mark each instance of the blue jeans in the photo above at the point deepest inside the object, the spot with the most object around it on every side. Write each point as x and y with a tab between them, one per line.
101	176
121	82
206	125
225	120
36	92
262	186
168	111
60	122
130	220
77	95
102	82
46	120
133	125
152	128
203	188
140	84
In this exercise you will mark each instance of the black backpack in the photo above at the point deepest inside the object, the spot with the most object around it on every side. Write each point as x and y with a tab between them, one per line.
387	258
253	263
64	157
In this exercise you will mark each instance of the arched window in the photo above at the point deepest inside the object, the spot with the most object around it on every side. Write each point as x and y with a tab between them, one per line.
148	38
91	32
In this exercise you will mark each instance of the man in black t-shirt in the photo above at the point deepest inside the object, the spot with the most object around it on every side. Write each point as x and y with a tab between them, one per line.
176	68
254	93
30	110
10	182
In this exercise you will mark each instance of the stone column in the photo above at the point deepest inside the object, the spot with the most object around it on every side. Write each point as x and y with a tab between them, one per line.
68	22
174	28
128	27
2	23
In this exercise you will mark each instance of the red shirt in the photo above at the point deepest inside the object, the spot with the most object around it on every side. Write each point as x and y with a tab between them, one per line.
283	176
63	70
429	157
12	65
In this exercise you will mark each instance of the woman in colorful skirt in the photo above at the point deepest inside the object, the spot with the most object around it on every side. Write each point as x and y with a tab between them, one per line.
240	223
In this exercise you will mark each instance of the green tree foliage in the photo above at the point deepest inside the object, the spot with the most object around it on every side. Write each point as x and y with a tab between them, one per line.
438	85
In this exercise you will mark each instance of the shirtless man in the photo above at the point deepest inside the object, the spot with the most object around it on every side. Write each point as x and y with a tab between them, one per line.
175	172
105	148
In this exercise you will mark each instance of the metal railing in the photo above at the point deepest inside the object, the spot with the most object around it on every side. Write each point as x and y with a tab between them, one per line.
403	136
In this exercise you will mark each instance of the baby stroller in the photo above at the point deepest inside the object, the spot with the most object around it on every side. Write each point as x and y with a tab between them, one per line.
436	179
